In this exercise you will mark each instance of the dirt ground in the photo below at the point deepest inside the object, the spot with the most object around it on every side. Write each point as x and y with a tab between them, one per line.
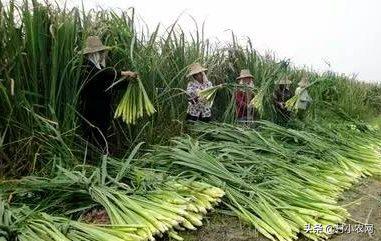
363	202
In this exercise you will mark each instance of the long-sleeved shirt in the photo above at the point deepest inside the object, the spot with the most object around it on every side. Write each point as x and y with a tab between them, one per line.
280	97
197	107
242	100
303	98
96	101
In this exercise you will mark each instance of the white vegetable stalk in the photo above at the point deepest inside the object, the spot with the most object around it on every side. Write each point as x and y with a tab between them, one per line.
134	104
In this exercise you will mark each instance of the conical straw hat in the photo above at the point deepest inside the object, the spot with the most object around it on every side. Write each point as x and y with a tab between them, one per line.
94	44
245	73
195	69
304	82
284	81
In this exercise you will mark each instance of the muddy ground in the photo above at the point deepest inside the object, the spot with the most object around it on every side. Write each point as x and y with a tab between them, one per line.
363	202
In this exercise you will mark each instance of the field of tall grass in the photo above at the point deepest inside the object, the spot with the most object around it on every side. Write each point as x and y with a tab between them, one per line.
165	175
40	82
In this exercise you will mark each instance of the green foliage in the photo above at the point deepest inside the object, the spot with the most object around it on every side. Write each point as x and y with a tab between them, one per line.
133	211
40	81
277	179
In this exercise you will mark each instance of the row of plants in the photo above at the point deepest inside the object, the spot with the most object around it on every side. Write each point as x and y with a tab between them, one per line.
116	202
40	81
275	179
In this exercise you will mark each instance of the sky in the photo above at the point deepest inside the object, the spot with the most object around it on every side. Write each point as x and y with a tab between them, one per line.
339	35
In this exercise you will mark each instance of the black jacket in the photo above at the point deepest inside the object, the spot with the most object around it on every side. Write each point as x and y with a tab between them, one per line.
281	96
96	101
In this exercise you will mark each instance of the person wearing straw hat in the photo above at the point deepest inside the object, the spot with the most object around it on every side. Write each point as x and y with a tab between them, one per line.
304	99
281	94
244	95
198	109
95	96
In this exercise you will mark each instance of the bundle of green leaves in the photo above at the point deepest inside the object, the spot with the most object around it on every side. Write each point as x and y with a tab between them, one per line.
277	179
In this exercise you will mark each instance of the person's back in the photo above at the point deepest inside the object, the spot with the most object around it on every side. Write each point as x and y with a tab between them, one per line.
95	93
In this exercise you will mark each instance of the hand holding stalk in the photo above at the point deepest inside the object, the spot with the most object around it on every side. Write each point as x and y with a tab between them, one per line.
130	74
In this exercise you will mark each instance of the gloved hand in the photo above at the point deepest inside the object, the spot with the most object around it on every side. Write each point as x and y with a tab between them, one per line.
130	74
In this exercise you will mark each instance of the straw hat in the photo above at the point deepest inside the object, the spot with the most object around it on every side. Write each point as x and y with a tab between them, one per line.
245	73
195	69
93	45
304	82
284	81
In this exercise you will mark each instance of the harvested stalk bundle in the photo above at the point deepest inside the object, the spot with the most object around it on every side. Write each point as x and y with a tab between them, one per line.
87	232
256	102
262	101
7	230
209	94
134	104
277	179
170	205
160	211
40	226
290	104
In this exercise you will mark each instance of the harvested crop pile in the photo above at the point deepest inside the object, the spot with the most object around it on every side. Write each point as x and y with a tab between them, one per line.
277	179
134	104
134	213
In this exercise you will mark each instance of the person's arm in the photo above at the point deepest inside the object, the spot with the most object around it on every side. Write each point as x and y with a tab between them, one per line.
249	96
287	95
277	100
309	97
209	84
129	76
305	96
111	73
88	75
114	78
192	93
298	91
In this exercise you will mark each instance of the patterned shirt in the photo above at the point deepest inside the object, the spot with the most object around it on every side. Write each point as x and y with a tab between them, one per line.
197	107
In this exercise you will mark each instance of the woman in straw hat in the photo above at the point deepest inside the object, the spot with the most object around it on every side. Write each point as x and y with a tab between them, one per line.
95	96
198	109
244	95
281	94
304	99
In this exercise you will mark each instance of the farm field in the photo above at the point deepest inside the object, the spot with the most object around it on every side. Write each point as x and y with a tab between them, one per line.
364	197
161	177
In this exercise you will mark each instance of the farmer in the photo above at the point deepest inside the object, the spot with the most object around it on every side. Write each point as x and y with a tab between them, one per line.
304	99
281	94
198	108
243	96
96	99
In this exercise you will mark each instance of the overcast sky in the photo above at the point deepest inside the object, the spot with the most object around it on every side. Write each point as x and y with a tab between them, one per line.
344	33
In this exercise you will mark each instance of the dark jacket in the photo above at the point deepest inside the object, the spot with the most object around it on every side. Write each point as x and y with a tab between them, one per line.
280	97
96	101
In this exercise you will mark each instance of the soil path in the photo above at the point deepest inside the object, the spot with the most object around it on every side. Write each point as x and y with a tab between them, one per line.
363	202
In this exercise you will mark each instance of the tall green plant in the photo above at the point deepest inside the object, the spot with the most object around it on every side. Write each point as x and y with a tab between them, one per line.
40	77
